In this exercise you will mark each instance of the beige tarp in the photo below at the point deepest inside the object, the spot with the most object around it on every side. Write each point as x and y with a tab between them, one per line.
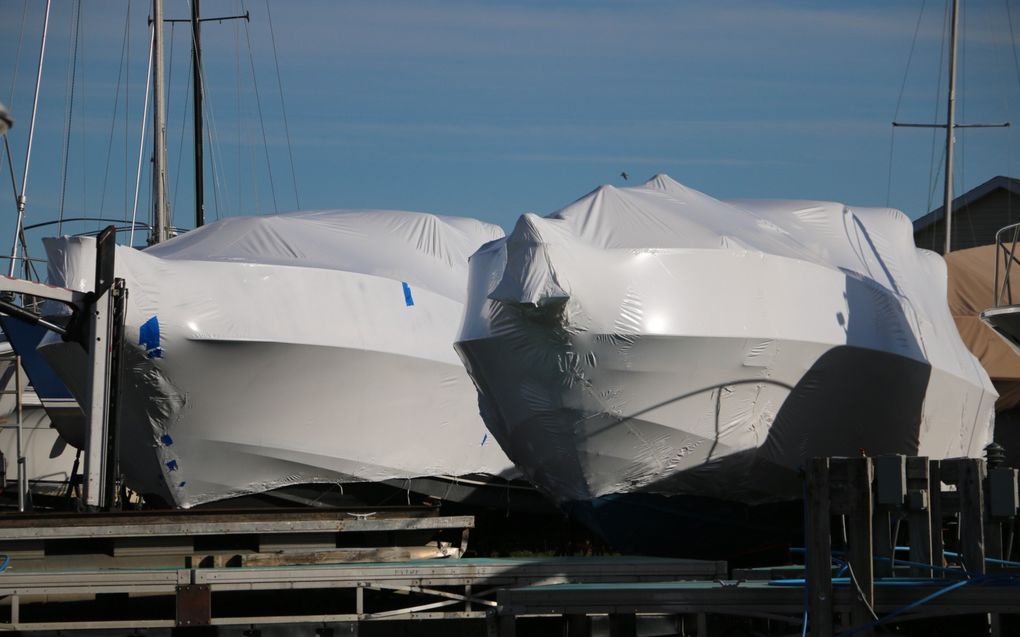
971	283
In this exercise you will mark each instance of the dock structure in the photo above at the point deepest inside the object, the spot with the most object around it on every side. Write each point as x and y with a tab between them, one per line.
316	595
330	571
866	583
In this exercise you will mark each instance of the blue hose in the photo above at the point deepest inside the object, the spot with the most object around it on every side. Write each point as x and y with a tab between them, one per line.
908	607
995	579
989	560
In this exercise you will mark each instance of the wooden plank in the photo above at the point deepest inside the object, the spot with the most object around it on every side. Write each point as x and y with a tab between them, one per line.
339	556
819	548
203	527
859	490
918	514
972	523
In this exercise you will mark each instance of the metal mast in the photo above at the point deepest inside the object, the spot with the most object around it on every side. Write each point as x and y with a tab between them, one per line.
160	211
18	236
196	69
951	126
947	205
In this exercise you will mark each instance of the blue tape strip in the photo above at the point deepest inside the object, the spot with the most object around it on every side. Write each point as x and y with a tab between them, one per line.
408	299
148	337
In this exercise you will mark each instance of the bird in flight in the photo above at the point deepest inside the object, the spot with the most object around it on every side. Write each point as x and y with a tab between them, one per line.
624	175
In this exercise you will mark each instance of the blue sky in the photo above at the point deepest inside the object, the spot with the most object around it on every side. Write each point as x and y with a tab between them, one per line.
493	109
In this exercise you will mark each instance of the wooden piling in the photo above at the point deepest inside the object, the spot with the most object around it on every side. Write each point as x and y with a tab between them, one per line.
859	514
819	548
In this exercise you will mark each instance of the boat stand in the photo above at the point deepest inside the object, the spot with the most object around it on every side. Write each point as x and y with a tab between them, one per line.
97	321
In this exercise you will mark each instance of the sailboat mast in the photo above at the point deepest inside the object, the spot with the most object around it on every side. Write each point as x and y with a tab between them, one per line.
196	64
21	200
950	126
160	231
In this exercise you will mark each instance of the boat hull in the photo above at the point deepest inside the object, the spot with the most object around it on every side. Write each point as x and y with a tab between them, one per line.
242	377
654	341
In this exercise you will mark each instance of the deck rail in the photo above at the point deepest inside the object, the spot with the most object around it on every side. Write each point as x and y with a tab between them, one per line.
1005	256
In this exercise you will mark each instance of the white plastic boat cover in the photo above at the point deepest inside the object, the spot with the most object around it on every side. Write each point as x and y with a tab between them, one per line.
292	348
654	339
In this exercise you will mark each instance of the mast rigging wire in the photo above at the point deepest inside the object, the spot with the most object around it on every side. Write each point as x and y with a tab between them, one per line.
18	234
141	138
262	121
113	121
184	112
899	101
17	56
127	111
65	152
1012	40
283	106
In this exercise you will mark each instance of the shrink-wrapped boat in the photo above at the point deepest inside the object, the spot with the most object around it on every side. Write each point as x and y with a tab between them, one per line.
286	349
653	340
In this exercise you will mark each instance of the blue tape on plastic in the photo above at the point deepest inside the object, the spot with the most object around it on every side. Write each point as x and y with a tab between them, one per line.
172	465
166	439
485	439
148	337
408	299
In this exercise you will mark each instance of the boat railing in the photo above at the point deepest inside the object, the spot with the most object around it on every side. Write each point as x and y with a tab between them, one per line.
1006	256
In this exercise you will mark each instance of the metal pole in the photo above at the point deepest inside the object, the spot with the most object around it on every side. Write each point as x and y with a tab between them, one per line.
22	471
950	124
196	73
28	150
159	213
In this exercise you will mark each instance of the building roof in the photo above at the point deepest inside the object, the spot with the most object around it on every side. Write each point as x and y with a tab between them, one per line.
1008	183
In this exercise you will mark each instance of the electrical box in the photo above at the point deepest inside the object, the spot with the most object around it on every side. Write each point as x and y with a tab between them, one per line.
1003	498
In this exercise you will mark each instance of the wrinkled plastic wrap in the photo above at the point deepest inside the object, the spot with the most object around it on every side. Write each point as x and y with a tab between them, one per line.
656	340
295	348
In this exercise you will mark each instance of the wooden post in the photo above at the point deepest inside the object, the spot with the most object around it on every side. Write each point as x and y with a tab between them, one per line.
578	625
859	477
993	539
819	548
622	625
972	523
919	523
882	527
507	626
938	557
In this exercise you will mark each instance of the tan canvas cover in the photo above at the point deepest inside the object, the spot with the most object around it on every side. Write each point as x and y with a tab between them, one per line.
971	283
